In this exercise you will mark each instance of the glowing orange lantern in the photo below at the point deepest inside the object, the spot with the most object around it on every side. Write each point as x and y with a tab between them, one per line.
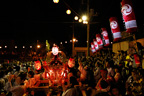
37	65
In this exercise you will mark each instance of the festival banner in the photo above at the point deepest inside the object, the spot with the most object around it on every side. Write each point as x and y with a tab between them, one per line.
128	16
115	28
105	36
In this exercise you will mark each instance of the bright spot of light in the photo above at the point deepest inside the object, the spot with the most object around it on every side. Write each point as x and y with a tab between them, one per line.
84	18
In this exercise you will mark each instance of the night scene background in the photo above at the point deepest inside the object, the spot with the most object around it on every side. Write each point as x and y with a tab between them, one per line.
24	22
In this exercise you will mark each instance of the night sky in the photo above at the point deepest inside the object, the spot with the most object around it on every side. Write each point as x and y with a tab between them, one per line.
30	20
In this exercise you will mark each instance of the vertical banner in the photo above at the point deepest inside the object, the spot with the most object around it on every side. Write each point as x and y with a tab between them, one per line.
115	28
93	48
128	16
105	36
99	40
96	44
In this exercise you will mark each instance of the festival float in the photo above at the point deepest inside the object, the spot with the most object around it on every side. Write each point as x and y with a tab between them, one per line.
55	71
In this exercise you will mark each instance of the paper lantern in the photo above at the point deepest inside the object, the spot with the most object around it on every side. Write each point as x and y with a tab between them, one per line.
37	65
128	16
115	28
55	50
105	36
95	44
99	41
71	62
93	48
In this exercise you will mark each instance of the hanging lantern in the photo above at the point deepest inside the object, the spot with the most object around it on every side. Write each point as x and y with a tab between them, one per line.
128	16
71	62
115	28
95	44
105	36
37	65
99	41
56	1
68	11
55	50
93	48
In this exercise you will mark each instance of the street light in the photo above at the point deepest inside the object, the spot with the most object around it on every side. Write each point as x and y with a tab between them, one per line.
68	11
84	18
56	1
74	40
38	46
85	22
5	46
30	46
76	17
80	20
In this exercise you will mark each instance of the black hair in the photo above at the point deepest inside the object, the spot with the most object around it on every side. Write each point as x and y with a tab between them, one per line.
73	81
1	73
17	68
31	73
103	84
40	93
22	75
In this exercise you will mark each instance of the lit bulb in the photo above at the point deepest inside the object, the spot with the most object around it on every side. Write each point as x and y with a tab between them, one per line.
56	1
68	11
76	17
80	20
84	18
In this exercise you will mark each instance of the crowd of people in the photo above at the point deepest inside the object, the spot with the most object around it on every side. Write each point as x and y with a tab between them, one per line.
103	74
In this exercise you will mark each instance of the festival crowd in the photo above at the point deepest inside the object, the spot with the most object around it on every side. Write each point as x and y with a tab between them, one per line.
103	74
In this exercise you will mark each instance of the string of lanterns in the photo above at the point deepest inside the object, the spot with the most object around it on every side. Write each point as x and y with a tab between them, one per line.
130	25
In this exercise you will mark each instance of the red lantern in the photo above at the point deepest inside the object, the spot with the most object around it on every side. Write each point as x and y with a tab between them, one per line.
115	28
95	44
105	35
37	65
93	48
128	16
99	41
71	62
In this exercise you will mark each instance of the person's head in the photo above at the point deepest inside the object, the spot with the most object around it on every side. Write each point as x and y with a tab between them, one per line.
9	69
135	74
116	69
107	64
72	81
40	93
97	64
1	73
20	78
104	73
115	91
103	84
30	74
17	68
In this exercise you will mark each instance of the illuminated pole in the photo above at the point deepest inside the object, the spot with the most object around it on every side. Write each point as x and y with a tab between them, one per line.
73	40
88	29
